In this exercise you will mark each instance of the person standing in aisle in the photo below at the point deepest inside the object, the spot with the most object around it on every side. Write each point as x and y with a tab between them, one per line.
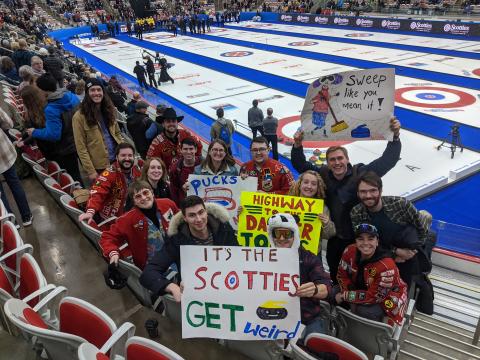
270	125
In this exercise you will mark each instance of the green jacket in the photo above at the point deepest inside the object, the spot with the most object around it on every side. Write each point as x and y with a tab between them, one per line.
91	147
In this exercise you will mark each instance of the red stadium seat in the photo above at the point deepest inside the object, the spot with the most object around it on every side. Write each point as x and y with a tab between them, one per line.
9	240
79	322
325	343
71	207
67	183
137	348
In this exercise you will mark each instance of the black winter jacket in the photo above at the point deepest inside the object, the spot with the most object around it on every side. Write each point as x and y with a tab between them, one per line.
179	234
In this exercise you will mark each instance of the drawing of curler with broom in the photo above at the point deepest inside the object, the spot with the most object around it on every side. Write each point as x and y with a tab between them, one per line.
321	107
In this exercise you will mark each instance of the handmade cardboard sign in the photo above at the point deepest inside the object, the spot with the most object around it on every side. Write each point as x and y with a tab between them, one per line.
240	293
222	190
352	105
259	207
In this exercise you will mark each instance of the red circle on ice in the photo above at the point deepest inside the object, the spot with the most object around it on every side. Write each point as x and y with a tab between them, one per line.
306	144
465	99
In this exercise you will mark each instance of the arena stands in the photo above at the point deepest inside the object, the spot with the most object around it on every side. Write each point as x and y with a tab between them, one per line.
77	326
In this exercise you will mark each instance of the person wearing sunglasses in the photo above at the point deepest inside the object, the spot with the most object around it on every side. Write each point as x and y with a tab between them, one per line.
143	228
273	177
369	280
315	284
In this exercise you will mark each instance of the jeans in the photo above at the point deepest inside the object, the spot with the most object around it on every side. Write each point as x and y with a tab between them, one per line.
335	248
255	129
315	326
273	140
18	193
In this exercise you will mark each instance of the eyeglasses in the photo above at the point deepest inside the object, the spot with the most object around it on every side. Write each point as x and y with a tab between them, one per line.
285	233
365	228
258	150
142	194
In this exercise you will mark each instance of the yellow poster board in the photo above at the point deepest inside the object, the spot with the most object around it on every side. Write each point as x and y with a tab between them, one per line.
259	207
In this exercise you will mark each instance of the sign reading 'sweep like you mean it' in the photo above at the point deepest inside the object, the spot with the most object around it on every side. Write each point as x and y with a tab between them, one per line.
223	190
259	207
352	105
240	293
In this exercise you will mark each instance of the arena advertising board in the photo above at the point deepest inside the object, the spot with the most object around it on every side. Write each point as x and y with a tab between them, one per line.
413	25
351	105
240	293
259	207
222	190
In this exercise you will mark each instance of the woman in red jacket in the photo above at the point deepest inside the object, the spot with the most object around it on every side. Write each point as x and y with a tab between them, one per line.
369	279
143	228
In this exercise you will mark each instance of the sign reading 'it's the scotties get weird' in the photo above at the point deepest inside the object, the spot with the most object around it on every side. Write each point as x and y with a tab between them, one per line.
240	293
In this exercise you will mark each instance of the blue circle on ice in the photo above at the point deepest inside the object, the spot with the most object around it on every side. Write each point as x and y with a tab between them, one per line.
430	96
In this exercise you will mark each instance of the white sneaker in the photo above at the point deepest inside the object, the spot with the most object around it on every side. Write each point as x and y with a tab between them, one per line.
28	221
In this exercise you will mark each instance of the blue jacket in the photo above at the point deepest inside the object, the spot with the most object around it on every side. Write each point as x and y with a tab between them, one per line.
59	102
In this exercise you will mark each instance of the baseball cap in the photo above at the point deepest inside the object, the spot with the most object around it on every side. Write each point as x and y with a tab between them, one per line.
365	229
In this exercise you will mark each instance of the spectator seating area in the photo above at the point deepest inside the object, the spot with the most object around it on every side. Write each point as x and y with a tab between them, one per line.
32	305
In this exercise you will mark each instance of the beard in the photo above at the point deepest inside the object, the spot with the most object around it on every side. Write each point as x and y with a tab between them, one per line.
375	201
125	164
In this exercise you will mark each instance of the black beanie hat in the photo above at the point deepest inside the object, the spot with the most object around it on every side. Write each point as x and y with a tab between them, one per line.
93	82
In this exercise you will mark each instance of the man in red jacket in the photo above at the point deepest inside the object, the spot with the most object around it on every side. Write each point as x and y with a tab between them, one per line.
182	167
273	176
143	228
109	192
166	146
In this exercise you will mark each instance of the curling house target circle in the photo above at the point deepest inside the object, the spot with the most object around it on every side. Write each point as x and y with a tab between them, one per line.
236	53
100	44
303	43
289	125
430	96
258	25
476	72
359	35
157	37
433	97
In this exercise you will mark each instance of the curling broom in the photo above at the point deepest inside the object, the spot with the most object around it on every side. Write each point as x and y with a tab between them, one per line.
339	125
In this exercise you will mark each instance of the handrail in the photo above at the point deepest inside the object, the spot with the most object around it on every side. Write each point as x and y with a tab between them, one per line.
476	336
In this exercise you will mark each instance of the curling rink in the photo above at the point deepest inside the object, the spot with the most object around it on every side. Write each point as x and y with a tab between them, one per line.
203	87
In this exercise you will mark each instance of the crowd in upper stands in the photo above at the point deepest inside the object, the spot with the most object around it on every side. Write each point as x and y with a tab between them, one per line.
378	246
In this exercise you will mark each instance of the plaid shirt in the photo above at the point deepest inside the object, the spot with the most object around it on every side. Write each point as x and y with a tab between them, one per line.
399	210
8	155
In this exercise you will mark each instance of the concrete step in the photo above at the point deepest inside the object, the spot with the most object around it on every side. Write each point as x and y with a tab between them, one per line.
441	323
458	351
450	338
405	355
441	328
410	350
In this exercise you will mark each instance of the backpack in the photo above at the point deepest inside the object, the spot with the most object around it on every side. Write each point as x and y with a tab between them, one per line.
224	134
66	144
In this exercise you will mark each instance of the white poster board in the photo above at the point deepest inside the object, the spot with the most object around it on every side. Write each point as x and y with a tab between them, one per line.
240	293
352	105
223	190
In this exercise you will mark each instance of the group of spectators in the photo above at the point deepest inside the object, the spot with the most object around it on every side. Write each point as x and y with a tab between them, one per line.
378	246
